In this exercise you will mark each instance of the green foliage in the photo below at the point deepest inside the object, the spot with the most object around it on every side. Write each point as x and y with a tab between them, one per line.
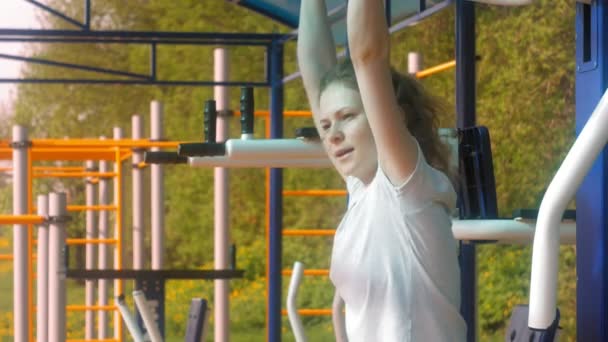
525	96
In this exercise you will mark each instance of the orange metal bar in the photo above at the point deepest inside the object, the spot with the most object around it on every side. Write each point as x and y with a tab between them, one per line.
311	272
93	241
64	153
21	219
314	193
91	307
102	340
59	168
124	143
74	174
436	69
311	312
6	257
99	207
309	232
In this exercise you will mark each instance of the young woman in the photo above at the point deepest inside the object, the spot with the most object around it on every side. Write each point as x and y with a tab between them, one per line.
394	260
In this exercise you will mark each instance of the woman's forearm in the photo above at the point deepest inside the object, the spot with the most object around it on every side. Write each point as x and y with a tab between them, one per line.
316	49
368	36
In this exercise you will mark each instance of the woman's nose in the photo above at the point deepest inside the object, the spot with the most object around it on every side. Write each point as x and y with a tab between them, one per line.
335	134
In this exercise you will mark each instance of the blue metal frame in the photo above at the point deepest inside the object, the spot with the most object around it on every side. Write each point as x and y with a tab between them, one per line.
465	117
152	39
275	277
592	197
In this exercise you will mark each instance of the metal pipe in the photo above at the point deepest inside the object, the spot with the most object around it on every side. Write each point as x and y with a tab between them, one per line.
292	294
57	267
21	219
274	148
90	248
263	163
104	234
414	63
42	273
118	231
275	241
147	316
221	204
545	253
21	278
137	132
130	321
157	189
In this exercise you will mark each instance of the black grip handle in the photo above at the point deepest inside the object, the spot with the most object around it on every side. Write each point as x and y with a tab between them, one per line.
162	157
247	110
209	149
210	120
307	133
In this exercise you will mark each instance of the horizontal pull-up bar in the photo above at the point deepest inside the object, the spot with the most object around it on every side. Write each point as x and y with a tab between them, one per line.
21	219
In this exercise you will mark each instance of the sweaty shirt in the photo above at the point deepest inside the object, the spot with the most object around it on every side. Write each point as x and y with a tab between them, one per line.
395	261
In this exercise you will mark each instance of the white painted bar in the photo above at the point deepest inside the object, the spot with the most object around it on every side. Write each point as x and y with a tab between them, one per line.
91	249
42	272
157	191
292	308
21	276
545	253
507	231
221	195
57	268
274	148
262	162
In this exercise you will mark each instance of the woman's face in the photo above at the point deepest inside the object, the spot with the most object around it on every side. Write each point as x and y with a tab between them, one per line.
345	132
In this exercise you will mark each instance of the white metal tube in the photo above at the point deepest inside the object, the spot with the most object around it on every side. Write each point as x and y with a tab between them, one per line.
21	277
157	191
507	231
104	233
137	174
129	320
147	316
90	259
414	62
42	272
57	268
118	232
262	162
292	307
338	319
545	253
274	148
221	211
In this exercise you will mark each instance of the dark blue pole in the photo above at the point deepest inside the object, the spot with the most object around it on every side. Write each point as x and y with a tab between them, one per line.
592	197
275	71
465	111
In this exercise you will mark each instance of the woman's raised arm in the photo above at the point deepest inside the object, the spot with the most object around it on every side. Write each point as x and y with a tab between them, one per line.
369	42
316	49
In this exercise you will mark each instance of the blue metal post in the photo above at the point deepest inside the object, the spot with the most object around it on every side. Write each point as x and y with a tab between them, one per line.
465	111
591	200
275	70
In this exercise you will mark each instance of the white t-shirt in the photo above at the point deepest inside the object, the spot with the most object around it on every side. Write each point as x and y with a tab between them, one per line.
395	261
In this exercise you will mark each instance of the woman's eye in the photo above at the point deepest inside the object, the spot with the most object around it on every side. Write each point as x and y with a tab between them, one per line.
325	127
348	116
